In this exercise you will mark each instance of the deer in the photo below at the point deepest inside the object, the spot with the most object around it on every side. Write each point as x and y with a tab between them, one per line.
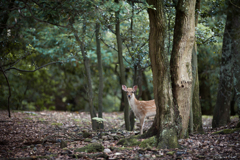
141	109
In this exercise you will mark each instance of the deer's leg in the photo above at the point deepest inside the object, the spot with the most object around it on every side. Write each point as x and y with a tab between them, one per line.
141	124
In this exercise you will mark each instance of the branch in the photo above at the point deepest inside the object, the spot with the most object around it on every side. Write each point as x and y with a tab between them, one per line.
234	4
108	45
39	20
21	70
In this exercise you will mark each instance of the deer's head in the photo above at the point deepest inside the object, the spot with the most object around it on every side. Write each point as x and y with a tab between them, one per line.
129	91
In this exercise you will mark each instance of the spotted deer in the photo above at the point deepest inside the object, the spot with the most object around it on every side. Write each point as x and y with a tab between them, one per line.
141	109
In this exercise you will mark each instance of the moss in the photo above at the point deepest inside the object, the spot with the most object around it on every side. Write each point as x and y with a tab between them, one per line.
132	141
92	147
87	140
170	153
149	143
168	139
227	131
86	135
57	124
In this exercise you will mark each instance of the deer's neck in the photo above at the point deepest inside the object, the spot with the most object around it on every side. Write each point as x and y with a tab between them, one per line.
133	102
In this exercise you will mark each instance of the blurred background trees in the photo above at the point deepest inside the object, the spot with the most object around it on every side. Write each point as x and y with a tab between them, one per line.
37	32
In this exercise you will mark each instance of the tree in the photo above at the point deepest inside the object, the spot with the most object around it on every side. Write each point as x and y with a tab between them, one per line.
196	115
100	87
122	70
230	52
181	60
170	105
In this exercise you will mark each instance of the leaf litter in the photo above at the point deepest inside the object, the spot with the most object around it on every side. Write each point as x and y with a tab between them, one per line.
57	135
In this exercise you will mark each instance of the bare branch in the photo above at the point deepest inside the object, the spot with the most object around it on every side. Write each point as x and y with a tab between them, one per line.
108	45
21	70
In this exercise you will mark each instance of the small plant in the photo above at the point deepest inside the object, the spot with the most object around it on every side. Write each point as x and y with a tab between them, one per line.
57	124
99	120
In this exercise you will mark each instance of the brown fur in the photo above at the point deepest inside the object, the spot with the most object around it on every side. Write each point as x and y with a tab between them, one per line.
141	109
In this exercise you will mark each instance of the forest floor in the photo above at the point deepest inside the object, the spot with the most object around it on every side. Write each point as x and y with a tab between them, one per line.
57	135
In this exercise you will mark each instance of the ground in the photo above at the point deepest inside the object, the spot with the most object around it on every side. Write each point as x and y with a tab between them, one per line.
60	135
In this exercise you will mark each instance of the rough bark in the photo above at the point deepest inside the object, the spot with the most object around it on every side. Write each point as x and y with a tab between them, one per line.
236	51
230	52
100	71
165	122
196	106
122	73
181	60
196	116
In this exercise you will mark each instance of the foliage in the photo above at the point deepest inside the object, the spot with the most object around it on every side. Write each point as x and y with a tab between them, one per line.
39	32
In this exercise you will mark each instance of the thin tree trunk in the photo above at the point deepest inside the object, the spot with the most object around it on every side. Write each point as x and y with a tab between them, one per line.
88	73
122	73
166	113
181	60
146	95
100	71
205	94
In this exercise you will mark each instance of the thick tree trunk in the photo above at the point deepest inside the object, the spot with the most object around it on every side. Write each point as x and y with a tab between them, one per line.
166	119
181	60
196	107
100	71
230	52
236	52
196	116
122	73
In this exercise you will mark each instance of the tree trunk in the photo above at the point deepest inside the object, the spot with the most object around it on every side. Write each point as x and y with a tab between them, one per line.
196	115
88	74
146	94
122	73
196	107
181	60
100	70
236	52
205	94
230	52
166	120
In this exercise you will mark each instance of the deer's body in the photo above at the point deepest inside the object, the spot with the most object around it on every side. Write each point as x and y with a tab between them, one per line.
141	109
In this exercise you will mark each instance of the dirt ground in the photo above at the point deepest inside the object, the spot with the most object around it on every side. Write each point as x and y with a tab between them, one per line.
57	135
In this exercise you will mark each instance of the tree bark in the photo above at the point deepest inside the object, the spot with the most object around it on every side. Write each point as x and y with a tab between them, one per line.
196	106
196	116
88	73
100	71
122	73
230	55
236	51
166	120
181	60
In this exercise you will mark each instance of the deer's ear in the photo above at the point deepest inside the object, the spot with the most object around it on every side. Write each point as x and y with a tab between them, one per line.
135	88
124	87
